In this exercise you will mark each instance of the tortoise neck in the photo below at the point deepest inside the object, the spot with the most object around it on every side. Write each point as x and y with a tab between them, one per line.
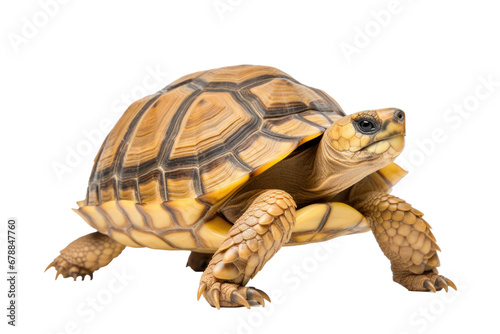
332	172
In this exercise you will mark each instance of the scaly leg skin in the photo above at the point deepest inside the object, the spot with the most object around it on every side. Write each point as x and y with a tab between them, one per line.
85	255
406	239
253	239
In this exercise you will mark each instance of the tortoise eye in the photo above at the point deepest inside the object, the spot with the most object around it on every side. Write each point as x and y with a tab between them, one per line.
367	126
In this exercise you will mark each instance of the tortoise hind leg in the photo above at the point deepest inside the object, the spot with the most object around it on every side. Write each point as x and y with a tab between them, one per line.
85	255
199	261
253	239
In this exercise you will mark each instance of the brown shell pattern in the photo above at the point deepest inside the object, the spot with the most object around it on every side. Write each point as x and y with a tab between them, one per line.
204	133
176	153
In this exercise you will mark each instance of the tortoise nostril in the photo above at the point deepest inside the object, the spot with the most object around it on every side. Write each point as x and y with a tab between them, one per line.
399	116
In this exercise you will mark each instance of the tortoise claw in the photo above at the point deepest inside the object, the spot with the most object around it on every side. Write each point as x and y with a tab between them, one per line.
450	283
50	266
238	298
254	294
215	298
430	281
263	294
67	269
429	286
59	272
221	294
201	289
441	283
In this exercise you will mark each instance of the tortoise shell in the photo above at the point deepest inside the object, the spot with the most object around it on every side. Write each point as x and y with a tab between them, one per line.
187	148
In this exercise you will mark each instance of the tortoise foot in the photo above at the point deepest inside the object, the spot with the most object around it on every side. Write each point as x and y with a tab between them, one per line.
430	282
67	269
221	294
85	255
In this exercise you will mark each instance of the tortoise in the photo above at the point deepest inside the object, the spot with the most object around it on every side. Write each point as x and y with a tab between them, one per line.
234	163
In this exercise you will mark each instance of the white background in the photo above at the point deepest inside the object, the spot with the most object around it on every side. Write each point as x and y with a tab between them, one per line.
78	68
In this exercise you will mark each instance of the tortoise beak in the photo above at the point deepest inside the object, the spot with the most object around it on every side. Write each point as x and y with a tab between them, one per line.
390	138
393	123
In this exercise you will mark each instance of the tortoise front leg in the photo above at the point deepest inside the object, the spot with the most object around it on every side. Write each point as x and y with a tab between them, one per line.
85	255
253	239
406	239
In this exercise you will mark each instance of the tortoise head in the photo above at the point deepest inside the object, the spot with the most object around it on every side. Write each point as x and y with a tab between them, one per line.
374	135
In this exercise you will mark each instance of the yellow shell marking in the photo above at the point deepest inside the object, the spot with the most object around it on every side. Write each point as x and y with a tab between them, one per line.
114	216
258	152
213	233
129	208
222	173
123	238
158	218
153	225
217	195
181	239
323	221
93	218
148	239
150	191
186	211
393	173
181	187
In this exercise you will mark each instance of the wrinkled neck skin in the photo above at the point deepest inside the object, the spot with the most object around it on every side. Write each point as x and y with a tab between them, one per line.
334	171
